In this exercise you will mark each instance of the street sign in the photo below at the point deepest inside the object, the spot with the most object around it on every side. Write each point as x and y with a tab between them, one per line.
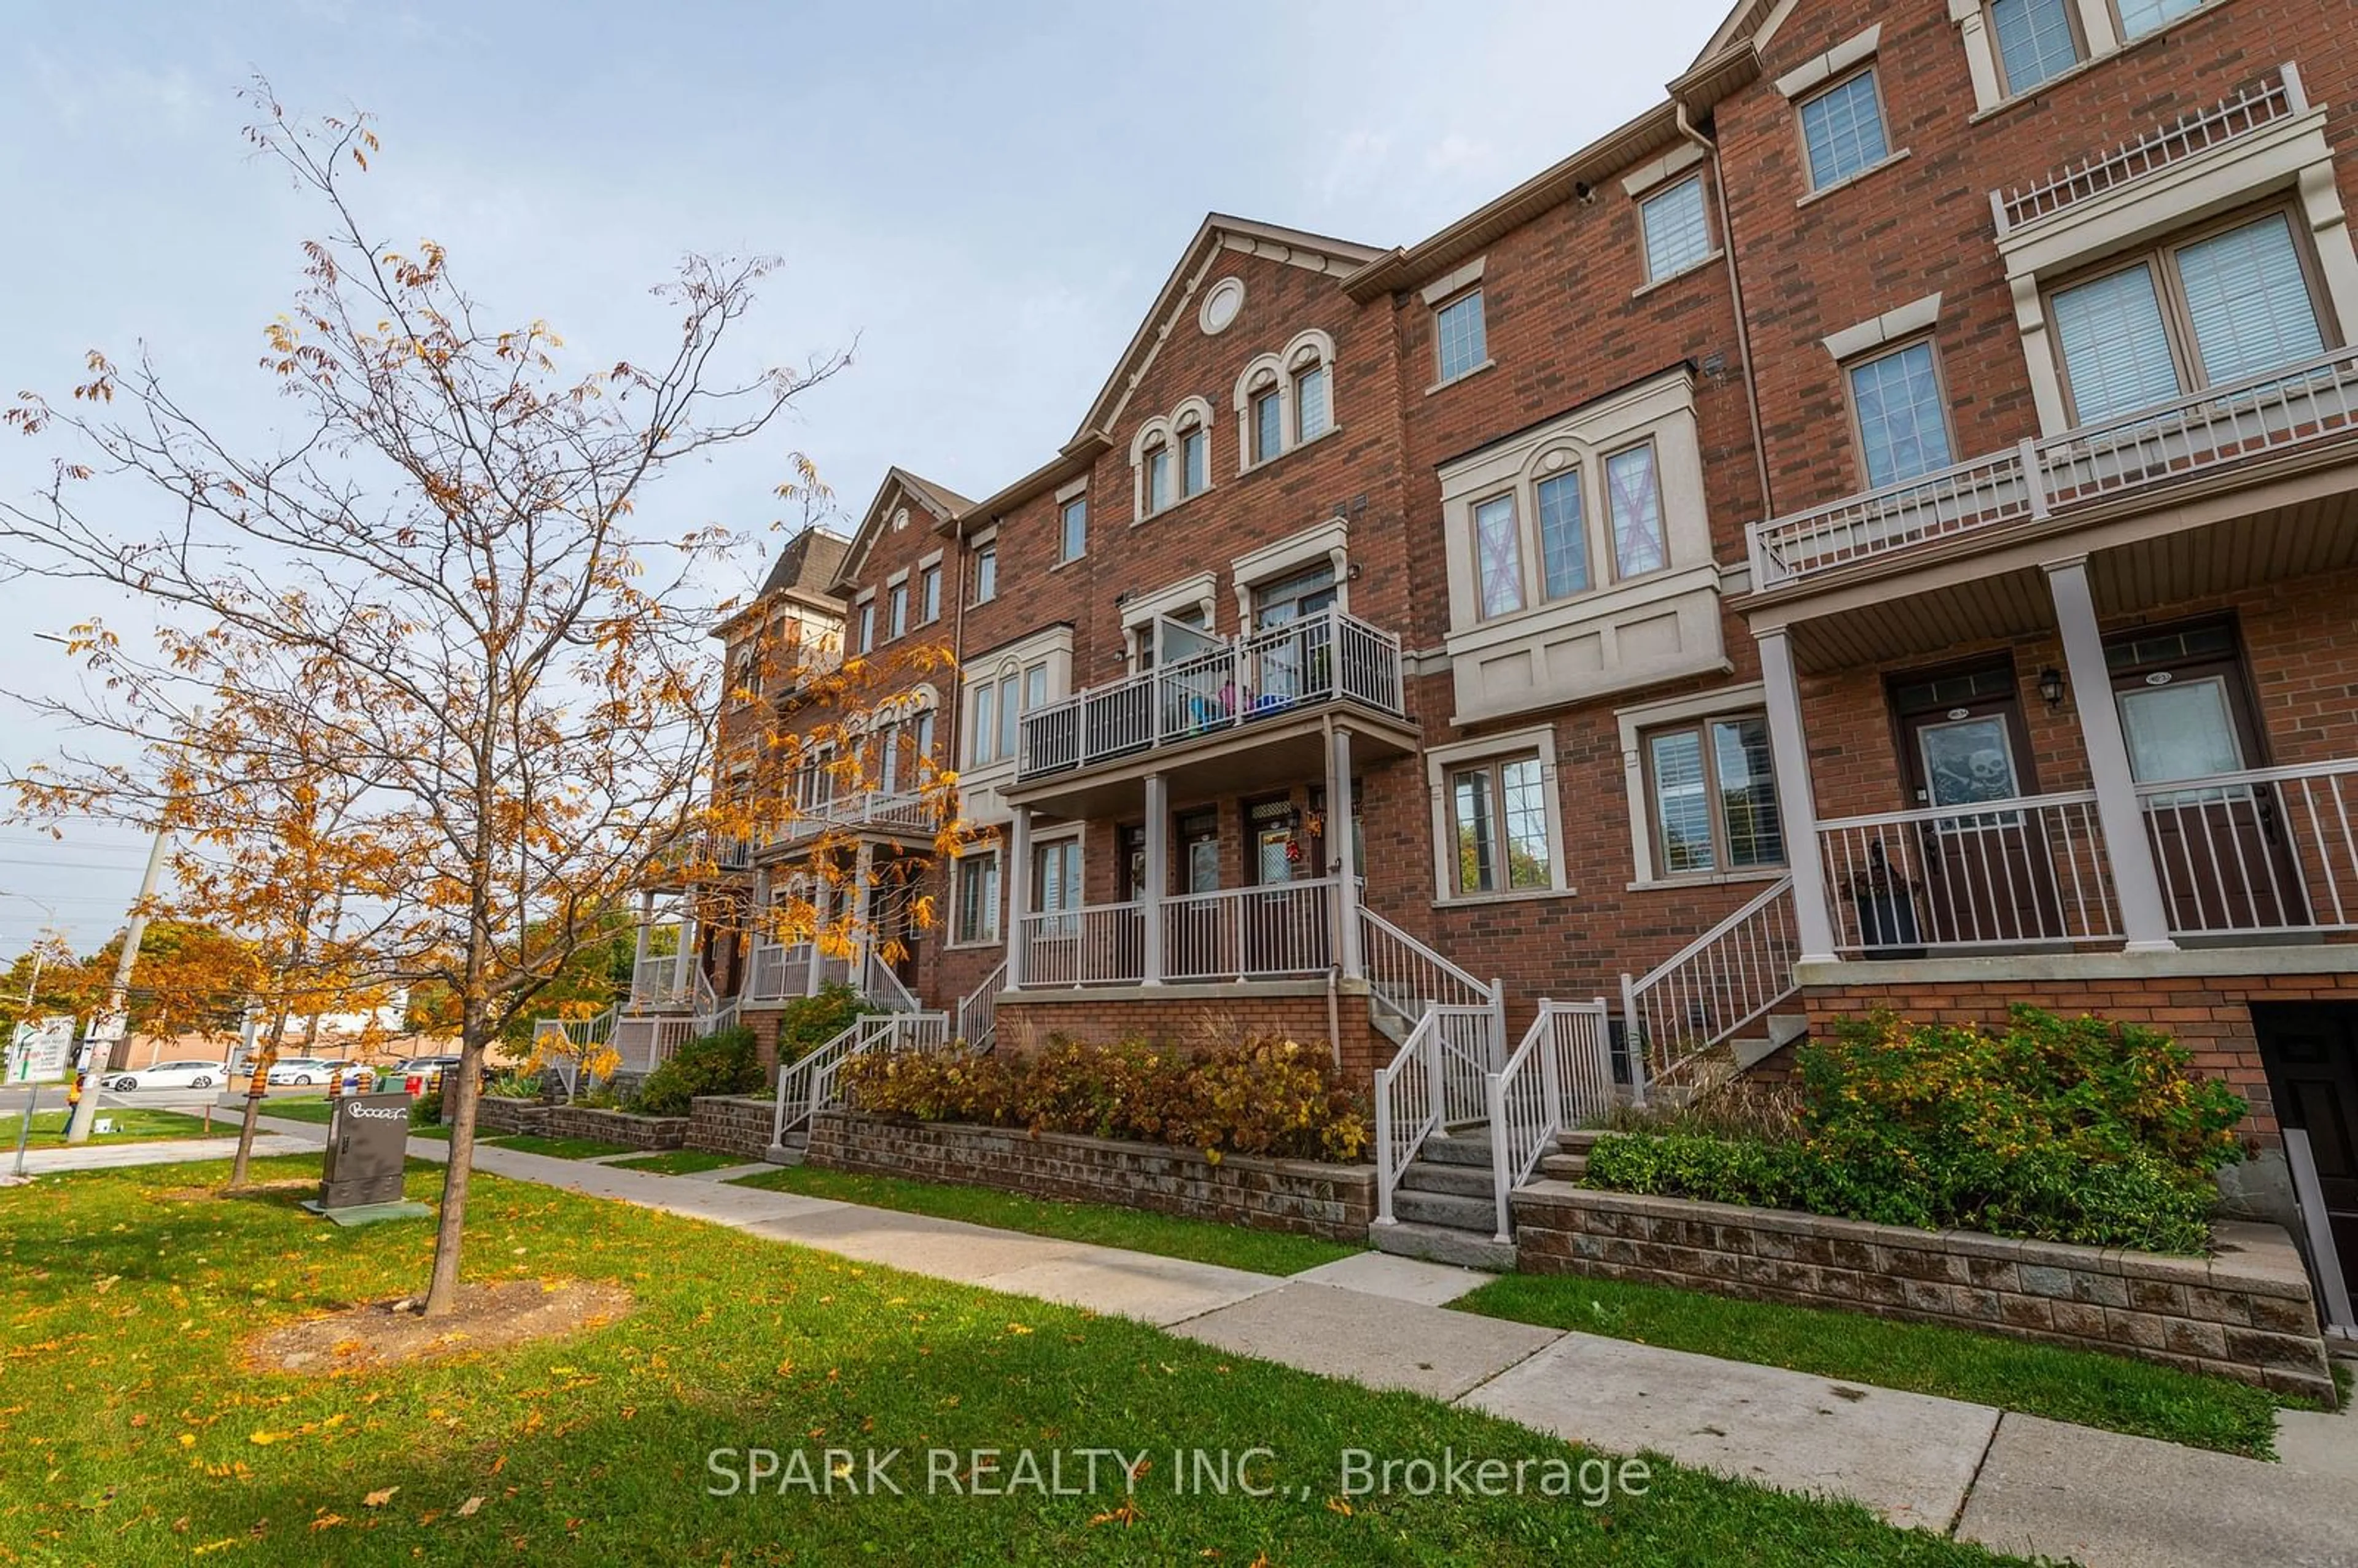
39	1052
367	1142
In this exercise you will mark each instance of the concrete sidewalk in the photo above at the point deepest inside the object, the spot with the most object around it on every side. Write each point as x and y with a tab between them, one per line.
173	1151
2013	1482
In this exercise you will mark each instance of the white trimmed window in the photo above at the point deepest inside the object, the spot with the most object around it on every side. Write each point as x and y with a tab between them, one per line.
867	625
1498	827
997	707
1842	130
1497	823
897	595
1711	796
1461	341
1677	230
2221	305
977	897
1073	529
986	572
2139	17
1903	418
1285	400
1194	459
2036	41
930	594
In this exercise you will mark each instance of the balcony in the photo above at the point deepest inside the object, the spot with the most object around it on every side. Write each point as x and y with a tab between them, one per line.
2265	857
1286	931
1303	667
893	812
2050	485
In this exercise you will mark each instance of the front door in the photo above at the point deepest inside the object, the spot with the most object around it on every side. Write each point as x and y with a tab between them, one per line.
2311	1057
1985	876
2222	851
1273	921
1192	926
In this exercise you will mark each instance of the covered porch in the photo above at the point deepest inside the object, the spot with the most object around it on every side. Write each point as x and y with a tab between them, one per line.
2114	718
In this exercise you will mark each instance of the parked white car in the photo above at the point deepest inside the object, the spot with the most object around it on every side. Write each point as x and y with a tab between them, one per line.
305	1070
168	1075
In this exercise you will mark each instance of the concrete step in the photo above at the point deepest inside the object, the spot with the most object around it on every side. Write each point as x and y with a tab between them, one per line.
790	1152
1440	1244
1579	1140
1466	1181
1780	1030
1468	1146
1564	1167
1457	1209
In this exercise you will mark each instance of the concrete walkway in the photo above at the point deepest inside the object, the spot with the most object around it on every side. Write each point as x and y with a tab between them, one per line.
2013	1482
173	1151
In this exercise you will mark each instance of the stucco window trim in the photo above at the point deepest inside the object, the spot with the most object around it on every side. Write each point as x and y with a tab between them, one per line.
1169	431
1897	155
1330	540
1646	179
998	938
2099	34
1810	75
1909	321
1539	740
1633	722
1449	284
2290	156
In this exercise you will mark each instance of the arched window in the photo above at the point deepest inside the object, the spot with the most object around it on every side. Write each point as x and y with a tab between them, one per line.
1171	458
1285	399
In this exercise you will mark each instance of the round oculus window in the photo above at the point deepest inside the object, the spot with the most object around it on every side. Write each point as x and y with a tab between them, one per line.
1220	306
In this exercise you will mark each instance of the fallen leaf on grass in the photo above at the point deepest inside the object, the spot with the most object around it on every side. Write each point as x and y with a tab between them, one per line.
467	1509
378	1500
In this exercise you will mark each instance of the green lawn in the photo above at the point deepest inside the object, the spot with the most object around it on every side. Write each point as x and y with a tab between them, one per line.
133	1432
1107	1225
130	1126
2079	1386
679	1162
300	1107
557	1148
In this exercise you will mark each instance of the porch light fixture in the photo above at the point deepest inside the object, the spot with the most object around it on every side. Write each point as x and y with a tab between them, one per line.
2051	685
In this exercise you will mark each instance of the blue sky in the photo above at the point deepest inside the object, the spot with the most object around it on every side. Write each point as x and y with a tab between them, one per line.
983	197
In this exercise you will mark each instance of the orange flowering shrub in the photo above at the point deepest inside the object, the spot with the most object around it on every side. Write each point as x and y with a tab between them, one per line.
1262	1097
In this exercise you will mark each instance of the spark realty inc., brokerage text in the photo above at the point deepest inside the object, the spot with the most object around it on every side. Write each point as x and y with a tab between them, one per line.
1106	1471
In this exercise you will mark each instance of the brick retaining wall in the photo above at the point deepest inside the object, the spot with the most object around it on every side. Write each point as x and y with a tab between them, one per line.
2245	1314
501	1113
1295	1195
616	1127
1180	1016
730	1124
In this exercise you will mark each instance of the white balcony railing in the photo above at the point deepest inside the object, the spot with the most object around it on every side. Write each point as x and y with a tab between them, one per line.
2297	406
2017	872
1322	658
660	982
1282	930
2266	850
778	973
1699	997
892	810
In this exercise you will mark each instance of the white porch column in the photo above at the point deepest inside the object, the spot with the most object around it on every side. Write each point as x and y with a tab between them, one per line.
1797	800
2144	919
1342	853
682	965
639	945
1157	876
1015	875
814	972
863	914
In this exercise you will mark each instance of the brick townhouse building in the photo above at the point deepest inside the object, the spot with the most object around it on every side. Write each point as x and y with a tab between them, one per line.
1873	530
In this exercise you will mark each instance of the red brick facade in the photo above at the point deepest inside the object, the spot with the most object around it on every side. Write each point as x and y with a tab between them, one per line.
1571	321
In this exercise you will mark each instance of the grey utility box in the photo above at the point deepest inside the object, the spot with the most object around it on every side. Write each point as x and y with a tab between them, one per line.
367	1142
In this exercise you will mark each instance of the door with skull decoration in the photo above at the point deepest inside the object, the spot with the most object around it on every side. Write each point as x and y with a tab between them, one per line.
1982	878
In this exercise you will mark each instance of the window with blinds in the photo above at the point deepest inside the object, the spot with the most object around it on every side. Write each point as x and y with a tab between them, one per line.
2218	308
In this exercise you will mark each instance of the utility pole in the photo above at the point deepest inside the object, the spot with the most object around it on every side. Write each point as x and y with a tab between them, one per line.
134	931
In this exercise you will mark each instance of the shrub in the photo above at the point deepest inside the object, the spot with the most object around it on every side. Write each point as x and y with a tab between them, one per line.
806	1025
426	1109
513	1083
720	1064
2074	1130
1264	1096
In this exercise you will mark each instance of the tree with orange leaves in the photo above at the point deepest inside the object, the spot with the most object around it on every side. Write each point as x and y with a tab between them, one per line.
433	603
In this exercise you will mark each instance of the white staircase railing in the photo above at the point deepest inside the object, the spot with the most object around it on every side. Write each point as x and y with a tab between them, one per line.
881	987
1408	1107
1403	974
978	1011
1700	996
1560	1076
807	1084
1439	1079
